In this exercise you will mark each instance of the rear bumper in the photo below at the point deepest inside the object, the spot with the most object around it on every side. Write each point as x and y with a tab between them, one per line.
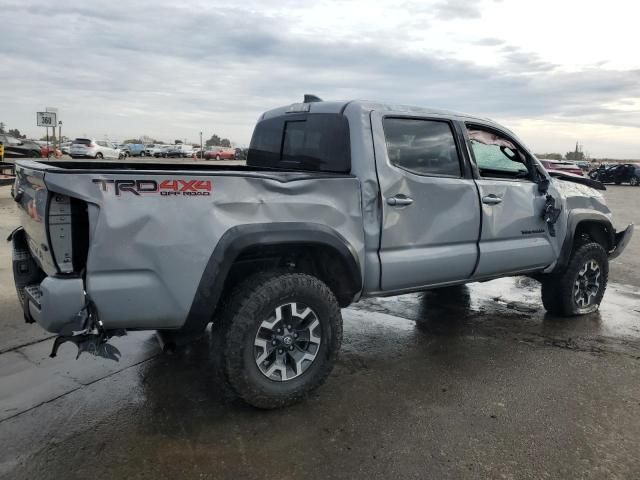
53	302
621	241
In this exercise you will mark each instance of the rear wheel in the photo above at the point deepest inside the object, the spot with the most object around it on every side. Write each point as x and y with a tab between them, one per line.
142	154
578	289
217	157
282	334
99	155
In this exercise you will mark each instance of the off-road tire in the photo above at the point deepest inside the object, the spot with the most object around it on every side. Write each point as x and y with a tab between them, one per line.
251	303
558	288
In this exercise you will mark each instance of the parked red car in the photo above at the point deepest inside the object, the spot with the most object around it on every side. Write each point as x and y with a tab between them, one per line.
220	154
562	166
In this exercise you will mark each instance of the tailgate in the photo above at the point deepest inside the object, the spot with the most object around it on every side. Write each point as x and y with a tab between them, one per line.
46	219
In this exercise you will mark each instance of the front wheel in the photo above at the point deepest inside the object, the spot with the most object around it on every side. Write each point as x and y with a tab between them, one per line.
634	181
99	156
282	337
578	289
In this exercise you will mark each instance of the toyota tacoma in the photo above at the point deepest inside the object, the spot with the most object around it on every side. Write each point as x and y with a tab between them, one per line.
337	201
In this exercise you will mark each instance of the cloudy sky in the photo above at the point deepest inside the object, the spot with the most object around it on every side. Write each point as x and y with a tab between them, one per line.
555	71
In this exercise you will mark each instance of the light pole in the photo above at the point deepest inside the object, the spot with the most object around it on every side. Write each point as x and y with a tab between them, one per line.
201	150
60	135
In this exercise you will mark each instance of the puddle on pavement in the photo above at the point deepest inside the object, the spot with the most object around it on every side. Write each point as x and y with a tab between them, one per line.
510	303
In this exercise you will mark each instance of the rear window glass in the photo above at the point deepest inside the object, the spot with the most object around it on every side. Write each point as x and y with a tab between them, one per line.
82	141
302	142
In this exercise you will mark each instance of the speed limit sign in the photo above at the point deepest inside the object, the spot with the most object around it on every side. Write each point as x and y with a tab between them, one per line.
46	119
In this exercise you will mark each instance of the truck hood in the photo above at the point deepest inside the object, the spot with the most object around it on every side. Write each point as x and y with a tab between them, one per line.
581	196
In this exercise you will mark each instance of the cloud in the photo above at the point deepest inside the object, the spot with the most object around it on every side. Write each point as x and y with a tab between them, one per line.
170	71
489	42
455	9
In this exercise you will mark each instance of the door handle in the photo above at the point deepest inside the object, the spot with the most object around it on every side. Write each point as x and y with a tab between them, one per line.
491	200
399	201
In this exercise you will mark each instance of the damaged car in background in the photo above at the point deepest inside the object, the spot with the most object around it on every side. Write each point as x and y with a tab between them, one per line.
337	201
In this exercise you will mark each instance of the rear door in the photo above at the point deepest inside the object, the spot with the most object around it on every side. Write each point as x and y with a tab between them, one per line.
430	206
514	235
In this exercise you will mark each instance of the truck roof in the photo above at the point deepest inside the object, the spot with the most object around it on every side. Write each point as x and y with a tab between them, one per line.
366	106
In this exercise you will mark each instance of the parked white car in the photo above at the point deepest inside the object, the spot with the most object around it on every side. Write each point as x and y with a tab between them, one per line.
187	150
150	150
90	148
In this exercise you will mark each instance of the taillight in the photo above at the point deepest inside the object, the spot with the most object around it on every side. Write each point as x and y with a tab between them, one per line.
59	225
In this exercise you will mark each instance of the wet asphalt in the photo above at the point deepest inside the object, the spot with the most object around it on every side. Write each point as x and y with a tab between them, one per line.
471	382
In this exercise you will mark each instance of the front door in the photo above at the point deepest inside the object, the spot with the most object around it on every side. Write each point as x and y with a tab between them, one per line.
430	206
514	235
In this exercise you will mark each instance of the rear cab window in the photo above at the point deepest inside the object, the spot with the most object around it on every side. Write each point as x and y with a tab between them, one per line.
313	141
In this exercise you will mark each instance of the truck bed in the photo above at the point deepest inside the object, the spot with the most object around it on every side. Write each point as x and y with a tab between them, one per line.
202	168
140	235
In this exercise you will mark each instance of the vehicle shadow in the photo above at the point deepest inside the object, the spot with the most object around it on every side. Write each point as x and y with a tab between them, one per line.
190	379
444	311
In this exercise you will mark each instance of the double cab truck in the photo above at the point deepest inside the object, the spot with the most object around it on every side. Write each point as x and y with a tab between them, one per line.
337	201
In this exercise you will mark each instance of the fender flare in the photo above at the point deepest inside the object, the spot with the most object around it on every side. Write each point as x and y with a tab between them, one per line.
235	240
575	217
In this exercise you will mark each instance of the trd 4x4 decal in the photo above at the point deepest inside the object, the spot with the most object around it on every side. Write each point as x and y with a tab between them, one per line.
169	187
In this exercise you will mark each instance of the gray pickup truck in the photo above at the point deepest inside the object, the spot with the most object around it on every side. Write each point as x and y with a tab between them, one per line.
337	201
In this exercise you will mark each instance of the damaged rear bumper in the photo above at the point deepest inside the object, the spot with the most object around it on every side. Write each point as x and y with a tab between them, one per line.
52	302
621	241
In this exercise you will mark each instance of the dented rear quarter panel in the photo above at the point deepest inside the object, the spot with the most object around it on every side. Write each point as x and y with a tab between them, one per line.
148	252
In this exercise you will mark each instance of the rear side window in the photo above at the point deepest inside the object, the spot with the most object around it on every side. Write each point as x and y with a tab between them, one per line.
82	141
318	142
423	147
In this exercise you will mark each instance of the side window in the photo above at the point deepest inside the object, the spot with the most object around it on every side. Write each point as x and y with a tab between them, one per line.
423	147
496	156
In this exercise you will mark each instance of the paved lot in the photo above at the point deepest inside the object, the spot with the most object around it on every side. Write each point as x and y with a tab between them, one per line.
480	384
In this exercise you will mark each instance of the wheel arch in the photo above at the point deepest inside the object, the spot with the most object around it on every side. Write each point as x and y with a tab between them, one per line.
593	224
246	249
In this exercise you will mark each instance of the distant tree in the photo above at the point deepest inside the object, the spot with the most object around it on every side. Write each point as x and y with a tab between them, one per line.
214	141
177	142
2	125
550	156
225	143
133	140
574	156
14	132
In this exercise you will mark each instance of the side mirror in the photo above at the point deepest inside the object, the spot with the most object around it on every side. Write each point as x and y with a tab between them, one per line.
543	184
